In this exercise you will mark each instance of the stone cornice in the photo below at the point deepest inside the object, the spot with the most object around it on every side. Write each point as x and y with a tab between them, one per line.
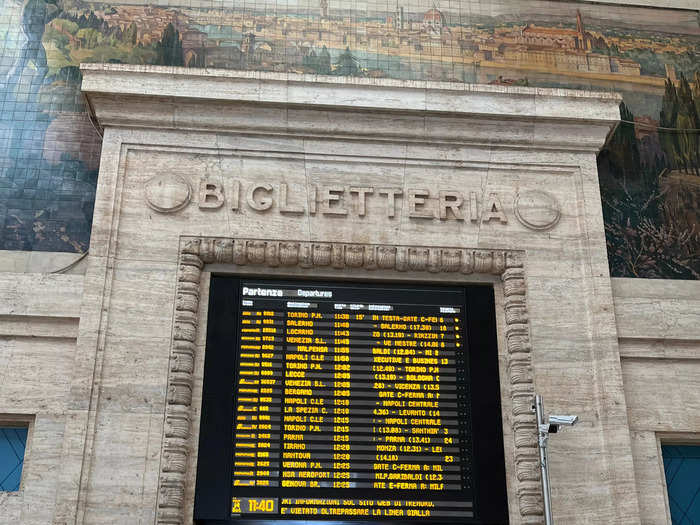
260	102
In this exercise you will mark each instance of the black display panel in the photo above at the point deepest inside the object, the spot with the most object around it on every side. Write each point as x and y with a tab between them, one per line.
350	402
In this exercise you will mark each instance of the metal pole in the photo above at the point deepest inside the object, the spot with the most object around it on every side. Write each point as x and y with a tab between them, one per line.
542	436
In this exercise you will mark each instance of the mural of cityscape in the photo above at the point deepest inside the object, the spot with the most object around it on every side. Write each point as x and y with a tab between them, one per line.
649	169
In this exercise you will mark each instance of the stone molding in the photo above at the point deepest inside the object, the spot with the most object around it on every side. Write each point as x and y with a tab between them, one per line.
195	252
326	91
324	107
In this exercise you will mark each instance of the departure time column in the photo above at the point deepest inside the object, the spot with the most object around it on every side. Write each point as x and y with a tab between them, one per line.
341	400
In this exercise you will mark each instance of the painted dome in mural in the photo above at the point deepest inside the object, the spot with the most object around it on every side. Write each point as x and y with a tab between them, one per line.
434	17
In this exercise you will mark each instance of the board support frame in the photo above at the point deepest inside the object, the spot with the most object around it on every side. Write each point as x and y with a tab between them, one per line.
195	252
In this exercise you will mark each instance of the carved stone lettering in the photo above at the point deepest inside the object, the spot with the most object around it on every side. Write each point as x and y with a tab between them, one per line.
391	194
361	199
473	210
235	195
312	200
211	195
417	205
534	209
285	207
331	197
453	201
493	209
257	198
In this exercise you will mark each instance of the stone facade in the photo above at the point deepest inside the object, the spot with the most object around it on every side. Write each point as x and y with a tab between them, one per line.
285	175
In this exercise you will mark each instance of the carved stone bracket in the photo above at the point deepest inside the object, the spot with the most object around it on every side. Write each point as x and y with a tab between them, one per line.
195	252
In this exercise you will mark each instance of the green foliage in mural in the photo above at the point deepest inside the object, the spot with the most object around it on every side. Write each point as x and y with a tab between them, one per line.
651	207
169	49
131	35
347	64
320	64
681	143
324	62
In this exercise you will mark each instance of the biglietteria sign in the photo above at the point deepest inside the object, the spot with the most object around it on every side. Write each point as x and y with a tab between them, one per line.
535	209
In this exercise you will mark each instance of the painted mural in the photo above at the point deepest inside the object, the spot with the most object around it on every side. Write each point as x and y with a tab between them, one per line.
649	169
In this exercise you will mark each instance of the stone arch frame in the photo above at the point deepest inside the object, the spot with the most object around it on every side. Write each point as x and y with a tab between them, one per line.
195	252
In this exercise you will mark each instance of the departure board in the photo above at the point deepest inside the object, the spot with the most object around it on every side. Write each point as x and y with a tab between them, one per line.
350	402
348	398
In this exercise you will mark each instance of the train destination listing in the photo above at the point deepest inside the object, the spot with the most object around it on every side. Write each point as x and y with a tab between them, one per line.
350	401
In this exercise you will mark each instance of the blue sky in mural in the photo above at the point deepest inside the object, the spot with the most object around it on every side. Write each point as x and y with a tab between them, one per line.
49	151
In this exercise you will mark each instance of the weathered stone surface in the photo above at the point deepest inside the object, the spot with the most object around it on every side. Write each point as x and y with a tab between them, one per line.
658	325
38	328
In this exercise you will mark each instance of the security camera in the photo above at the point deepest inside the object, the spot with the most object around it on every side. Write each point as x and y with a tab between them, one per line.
557	421
545	427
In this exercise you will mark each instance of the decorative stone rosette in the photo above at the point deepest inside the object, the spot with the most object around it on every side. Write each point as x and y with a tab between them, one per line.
195	252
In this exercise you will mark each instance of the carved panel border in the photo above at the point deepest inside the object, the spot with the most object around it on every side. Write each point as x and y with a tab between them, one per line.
195	252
